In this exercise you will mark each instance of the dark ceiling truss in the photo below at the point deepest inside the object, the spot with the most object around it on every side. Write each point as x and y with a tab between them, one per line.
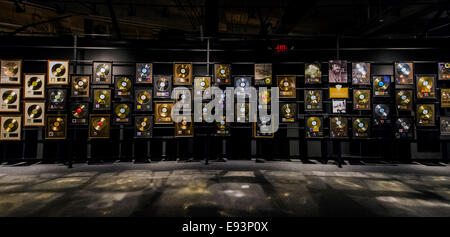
38	23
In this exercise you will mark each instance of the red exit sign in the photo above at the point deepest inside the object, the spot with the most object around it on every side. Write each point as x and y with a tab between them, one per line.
281	48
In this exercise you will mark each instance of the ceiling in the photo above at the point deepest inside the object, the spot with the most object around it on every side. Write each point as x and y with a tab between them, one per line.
140	19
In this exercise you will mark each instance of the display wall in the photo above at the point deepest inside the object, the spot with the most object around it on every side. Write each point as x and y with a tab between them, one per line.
292	141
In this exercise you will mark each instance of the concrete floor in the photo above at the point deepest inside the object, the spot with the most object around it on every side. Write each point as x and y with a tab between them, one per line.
234	188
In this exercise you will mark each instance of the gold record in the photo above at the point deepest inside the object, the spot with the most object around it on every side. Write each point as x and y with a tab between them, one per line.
79	111
143	124
337	122
223	71
360	125
10	125
34	83
313	97
9	97
143	97
99	123
123	84
11	69
122	110
425	112
314	123
404	97
102	70
425	83
164	110
380	85
34	111
287	110
57	125
204	83
183	70
102	96
362	97
58	70
284	84
80	83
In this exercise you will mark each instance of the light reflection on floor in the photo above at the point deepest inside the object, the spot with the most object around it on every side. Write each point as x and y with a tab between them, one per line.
210	191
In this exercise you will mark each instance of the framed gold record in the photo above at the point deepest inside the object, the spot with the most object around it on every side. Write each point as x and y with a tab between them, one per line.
288	112
201	84
11	127
426	86
361	127
313	100
287	86
102	99
163	112
313	127
404	73
99	126
102	72
56	126
183	127
313	73
381	85
143	99
361	100
425	115
34	113
56	99
11	72
10	99
34	86
143	126
338	127
222	74
122	113
263	74
80	86
263	128
445	98
123	86
79	113
58	72
182	74
444	71
162	86
404	99
144	73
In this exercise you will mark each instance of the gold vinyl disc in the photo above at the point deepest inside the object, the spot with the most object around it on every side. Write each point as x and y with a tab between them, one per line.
380	84
404	96
204	83
313	123
102	70
164	110
425	83
284	84
99	123
287	110
223	71
143	124
58	70
124	84
34	111
360	125
338	123
122	110
183	70
143	97
425	112
34	83
79	111
313	97
81	83
11	69
10	125
162	84
57	125
102	97
9	97
362	97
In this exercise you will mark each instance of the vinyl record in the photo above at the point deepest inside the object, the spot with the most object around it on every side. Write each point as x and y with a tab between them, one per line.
34	111
403	69
183	70
425	112
361	70
143	124
313	123
405	97
58	70
313	97
223	71
143	97
403	124
57	97
122	110
338	123
145	70
204	83
79	111
9	97
362	97
102	70
34	83
57	125
99	123
162	84
284	84
10	125
123	84
288	110
360	125
164	110
81	83
380	84
382	111
242	82
313	71
425	83
102	97
11	69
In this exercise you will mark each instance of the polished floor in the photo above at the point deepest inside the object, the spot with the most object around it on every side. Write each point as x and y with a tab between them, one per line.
233	188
